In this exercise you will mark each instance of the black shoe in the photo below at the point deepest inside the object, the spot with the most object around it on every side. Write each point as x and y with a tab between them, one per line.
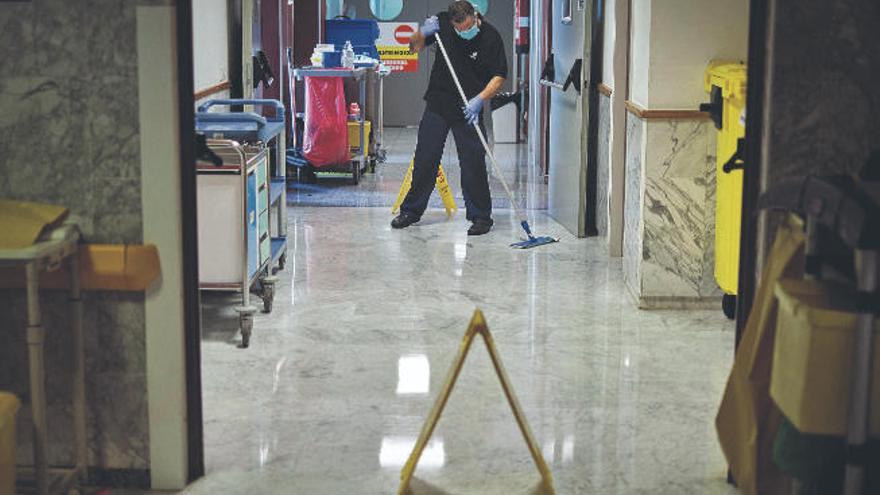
480	227
403	220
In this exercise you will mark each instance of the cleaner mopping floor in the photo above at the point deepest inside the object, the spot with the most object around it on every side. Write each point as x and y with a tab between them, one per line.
478	51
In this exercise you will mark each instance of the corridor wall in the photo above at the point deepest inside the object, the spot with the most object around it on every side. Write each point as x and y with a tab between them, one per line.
668	240
210	47
71	133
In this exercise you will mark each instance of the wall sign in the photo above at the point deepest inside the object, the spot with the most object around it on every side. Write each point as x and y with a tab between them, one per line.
393	46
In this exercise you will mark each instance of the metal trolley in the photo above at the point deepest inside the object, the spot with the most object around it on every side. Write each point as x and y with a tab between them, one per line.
359	163
257	131
236	250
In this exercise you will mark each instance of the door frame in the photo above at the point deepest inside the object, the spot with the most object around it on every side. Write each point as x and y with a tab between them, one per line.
189	238
760	12
596	53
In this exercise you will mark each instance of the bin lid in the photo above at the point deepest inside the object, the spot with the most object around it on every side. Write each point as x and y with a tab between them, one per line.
824	304
729	76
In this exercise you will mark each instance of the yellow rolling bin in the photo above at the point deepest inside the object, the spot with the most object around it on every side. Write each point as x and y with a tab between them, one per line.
354	136
726	84
8	408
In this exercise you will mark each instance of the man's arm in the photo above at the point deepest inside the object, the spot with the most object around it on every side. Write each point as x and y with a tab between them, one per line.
416	42
492	88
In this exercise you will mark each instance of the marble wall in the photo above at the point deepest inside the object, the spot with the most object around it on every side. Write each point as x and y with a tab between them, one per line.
633	204
69	135
603	174
824	100
670	215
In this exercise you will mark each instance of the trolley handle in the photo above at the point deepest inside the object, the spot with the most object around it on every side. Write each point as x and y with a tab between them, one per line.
279	108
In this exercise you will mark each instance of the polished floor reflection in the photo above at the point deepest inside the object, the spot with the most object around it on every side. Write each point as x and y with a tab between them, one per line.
332	393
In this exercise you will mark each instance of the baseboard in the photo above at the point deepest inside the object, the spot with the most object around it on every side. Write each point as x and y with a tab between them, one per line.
662	302
119	478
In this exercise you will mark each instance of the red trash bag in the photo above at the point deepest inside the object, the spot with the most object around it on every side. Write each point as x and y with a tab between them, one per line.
325	140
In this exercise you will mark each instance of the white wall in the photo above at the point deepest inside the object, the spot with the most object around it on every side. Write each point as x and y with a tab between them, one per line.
210	43
685	36
608	46
640	51
160	194
673	41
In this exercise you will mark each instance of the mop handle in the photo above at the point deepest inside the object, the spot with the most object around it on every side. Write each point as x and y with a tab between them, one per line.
495	167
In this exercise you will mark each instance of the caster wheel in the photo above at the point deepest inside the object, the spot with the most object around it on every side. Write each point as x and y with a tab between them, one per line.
728	306
268	297
247	328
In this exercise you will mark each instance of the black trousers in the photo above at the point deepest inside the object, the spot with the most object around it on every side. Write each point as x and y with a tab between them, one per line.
433	130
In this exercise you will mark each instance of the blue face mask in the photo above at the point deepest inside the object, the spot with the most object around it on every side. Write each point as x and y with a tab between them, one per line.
469	34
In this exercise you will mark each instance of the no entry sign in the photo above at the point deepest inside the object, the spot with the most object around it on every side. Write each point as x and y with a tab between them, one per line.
393	46
403	33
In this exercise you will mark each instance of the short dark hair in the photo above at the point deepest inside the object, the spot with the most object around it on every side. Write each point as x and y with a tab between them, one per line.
460	10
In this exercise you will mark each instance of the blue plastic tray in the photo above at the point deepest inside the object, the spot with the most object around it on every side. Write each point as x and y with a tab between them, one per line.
240	126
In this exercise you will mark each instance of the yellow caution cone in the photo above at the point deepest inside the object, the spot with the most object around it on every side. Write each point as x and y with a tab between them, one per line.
442	187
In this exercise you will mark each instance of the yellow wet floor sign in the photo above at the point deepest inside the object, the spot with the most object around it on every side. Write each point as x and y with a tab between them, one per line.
442	187
477	326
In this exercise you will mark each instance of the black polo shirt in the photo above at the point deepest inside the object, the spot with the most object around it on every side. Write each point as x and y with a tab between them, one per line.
475	61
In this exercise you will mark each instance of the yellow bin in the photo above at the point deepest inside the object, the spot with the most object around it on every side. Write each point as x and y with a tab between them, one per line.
726	83
354	136
813	357
8	408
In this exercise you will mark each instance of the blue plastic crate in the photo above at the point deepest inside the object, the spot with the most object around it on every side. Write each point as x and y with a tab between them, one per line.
362	33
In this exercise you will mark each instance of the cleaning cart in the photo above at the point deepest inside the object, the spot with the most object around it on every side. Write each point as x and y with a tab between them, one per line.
358	163
825	367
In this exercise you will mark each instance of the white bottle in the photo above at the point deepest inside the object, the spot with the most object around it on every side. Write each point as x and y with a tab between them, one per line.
348	56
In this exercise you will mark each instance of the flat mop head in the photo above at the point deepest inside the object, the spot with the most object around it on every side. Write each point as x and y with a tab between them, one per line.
534	242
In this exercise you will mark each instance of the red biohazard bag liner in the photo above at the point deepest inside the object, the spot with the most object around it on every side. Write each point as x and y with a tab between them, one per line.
325	141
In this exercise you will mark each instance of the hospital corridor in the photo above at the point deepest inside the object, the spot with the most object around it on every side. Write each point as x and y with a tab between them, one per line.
436	247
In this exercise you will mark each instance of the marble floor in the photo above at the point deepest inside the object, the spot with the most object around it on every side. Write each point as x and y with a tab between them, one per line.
336	384
381	188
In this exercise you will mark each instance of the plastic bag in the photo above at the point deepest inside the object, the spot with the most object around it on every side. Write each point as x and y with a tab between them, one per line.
326	130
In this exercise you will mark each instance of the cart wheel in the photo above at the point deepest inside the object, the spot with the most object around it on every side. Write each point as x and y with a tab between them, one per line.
246	324
728	306
372	165
356	173
268	296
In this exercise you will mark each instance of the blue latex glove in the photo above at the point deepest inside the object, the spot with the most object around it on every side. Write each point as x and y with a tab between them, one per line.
431	26
473	109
